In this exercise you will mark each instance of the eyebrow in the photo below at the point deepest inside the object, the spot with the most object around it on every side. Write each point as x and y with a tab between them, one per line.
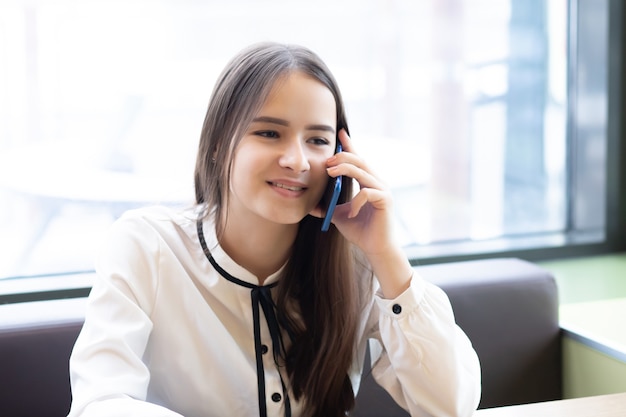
282	122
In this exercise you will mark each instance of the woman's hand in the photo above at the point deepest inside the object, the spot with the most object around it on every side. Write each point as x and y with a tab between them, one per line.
367	220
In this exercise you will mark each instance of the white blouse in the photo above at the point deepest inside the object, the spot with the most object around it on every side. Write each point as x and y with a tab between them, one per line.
166	335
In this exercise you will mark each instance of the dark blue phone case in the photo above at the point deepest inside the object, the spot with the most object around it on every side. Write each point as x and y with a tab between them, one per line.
333	200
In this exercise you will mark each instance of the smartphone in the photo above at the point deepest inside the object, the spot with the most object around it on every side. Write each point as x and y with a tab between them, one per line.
333	199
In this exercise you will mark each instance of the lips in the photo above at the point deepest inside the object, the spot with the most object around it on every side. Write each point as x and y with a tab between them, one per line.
289	187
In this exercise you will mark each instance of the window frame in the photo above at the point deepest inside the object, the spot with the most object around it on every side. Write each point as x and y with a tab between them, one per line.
572	242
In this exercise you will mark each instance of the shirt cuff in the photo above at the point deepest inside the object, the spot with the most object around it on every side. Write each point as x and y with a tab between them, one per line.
404	303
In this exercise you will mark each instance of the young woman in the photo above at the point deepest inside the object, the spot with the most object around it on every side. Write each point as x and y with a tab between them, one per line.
242	306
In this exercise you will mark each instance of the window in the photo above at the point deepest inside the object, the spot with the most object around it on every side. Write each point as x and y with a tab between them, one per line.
488	119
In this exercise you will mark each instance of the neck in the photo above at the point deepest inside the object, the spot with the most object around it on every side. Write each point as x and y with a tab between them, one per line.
262	247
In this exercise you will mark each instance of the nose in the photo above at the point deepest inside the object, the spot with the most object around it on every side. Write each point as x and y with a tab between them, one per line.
294	156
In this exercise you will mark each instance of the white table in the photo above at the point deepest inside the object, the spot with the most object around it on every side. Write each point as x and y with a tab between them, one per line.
612	405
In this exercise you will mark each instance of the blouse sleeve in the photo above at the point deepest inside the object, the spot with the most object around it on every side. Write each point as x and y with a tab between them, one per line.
108	376
420	356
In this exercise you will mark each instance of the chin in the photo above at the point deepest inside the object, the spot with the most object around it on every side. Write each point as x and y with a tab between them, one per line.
287	218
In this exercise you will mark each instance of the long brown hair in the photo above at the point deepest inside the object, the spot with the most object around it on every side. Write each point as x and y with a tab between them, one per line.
319	278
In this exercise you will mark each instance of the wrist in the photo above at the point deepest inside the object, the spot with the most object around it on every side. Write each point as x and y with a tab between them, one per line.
393	271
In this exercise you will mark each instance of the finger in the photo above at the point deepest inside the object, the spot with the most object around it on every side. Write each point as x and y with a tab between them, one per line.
362	176
346	142
378	199
349	156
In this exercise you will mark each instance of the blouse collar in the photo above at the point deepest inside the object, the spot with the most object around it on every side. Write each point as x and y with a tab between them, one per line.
227	263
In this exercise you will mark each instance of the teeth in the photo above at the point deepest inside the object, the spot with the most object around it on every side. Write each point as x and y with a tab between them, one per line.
288	187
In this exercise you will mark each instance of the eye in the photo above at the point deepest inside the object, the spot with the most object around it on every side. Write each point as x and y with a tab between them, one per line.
272	134
319	141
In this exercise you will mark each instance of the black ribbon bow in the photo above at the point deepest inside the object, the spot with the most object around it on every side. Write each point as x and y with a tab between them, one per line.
260	296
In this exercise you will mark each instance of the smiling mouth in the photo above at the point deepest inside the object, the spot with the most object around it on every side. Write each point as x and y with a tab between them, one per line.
287	187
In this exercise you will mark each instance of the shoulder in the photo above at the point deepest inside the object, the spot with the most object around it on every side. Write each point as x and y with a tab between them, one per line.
152	214
147	228
139	243
155	218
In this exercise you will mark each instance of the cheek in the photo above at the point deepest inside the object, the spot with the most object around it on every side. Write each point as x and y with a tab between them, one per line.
240	174
321	178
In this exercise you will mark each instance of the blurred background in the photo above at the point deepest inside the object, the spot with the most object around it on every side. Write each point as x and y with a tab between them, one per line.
486	118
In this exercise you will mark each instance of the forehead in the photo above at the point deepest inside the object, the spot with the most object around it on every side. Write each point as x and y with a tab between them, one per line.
300	95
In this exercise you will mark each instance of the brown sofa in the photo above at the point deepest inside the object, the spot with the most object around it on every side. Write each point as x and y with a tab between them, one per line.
508	308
